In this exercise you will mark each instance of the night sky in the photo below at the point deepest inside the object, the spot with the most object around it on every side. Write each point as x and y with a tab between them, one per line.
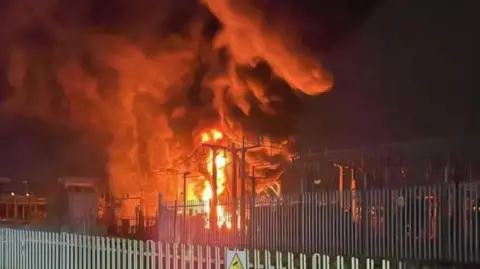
403	70
407	73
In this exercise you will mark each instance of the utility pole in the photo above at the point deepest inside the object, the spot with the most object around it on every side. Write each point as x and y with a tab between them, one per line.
234	172
243	191
243	174
185	174
252	210
234	188
185	202
213	204
243	178
340	182
253	179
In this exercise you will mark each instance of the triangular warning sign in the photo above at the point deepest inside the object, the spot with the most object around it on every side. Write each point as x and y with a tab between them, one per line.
236	263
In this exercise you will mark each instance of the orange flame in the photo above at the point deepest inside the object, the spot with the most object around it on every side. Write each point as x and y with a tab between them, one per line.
221	165
116	85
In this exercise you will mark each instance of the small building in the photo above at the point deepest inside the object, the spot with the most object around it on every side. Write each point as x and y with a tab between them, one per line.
76	203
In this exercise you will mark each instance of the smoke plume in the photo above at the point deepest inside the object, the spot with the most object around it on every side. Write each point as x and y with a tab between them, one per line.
151	74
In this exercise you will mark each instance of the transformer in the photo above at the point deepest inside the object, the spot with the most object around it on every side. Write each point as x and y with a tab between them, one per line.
76	205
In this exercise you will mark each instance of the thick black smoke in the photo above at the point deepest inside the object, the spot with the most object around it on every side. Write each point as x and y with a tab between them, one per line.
64	62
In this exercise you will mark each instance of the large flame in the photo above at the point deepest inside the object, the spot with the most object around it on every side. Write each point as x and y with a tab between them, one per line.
146	86
223	218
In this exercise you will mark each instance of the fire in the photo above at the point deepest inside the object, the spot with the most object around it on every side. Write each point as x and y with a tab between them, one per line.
137	87
214	136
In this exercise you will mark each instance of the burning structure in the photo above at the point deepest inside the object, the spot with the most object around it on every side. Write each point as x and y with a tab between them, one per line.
154	83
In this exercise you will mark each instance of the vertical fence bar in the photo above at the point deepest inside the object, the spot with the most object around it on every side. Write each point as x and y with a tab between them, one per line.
43	250
168	255
431	223
110	249
476	216
152	254
365	223
14	251
21	252
30	250
98	251
455	228
118	253
9	248
81	251
90	251
309	228
19	244
160	255
26	249
149	254
199	257
3	241
95	251
301	225
54	243
463	227
284	239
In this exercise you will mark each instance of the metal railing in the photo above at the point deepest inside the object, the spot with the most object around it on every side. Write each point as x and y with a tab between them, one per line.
25	249
429	223
17	209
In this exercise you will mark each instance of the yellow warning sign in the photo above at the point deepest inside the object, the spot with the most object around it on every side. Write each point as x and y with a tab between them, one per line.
236	263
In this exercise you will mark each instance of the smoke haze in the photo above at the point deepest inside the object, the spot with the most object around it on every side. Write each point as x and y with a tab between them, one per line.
150	74
146	76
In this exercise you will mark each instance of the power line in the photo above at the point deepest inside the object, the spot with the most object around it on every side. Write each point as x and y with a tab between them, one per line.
198	151
261	144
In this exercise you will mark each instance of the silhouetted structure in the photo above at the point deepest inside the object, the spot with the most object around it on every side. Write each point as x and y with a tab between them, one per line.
423	162
412	202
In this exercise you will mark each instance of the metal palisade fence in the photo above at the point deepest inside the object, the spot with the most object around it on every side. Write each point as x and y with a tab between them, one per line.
429	223
25	249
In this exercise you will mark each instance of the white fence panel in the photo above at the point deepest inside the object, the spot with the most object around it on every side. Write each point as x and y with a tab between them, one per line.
24	249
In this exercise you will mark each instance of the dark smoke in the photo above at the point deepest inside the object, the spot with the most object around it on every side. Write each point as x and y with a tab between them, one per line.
39	39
